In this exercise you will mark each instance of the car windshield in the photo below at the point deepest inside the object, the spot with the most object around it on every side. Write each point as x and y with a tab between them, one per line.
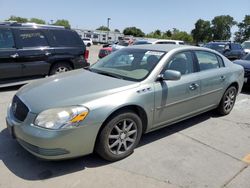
128	64
217	47
246	45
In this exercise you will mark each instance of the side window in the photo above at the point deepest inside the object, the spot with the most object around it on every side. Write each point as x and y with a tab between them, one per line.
67	38
32	38
166	42
6	39
207	60
182	62
247	57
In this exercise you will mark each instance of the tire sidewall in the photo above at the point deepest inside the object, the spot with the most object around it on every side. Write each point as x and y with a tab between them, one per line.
103	139
221	107
57	65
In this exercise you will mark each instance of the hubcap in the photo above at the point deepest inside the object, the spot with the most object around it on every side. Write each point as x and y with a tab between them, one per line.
61	69
122	137
229	100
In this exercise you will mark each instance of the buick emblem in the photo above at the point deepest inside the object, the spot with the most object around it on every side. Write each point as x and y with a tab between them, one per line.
14	107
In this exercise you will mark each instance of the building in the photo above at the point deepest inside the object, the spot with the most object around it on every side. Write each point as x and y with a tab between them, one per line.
100	36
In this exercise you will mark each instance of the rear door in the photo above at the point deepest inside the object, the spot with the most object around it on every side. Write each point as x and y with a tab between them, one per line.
33	52
212	76
9	67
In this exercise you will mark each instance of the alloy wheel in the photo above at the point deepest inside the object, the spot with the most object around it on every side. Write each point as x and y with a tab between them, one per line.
61	70
229	99
123	136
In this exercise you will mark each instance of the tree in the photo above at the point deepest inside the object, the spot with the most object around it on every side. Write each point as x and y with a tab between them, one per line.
181	35
62	22
103	28
168	33
17	19
221	28
202	31
244	30
117	30
136	32
36	20
156	34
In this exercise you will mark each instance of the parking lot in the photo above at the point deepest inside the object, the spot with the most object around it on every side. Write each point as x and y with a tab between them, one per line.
205	151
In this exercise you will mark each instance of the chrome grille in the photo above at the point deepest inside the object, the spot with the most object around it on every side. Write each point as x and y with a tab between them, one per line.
19	109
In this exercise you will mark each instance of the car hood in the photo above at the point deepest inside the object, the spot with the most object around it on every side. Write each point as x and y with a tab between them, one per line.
243	63
72	88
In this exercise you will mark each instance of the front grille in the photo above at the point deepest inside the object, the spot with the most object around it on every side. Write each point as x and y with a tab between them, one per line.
19	109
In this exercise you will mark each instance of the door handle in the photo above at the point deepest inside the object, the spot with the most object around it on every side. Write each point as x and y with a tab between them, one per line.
47	53
14	55
193	86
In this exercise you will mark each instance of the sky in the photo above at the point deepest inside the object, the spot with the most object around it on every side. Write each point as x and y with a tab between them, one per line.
147	15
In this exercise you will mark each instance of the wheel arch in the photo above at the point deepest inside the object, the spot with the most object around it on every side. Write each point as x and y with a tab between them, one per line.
133	108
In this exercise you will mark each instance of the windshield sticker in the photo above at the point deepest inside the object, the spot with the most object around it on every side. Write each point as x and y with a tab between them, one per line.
154	53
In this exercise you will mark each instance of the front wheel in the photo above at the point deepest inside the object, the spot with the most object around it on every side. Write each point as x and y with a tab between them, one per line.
119	136
227	101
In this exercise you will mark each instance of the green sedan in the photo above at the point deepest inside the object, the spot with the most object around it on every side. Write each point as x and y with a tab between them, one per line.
130	92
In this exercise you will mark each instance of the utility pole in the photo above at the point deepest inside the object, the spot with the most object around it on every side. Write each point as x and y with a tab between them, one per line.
108	20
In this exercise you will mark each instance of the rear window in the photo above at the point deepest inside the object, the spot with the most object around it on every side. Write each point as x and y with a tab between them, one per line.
87	39
236	46
6	39
141	42
32	38
67	38
166	42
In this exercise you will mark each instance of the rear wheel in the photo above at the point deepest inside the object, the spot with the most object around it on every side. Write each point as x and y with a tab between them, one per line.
60	68
119	137
227	101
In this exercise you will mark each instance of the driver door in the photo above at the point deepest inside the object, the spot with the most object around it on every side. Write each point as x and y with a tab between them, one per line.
175	100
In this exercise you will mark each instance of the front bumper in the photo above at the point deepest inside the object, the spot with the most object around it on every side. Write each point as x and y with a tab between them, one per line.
53	144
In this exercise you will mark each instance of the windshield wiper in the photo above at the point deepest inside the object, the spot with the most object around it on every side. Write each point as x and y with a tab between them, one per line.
108	74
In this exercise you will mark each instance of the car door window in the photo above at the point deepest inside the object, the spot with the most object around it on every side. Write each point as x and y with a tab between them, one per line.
182	62
208	60
32	38
6	39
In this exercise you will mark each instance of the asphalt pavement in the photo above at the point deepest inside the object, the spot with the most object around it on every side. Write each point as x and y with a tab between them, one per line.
205	151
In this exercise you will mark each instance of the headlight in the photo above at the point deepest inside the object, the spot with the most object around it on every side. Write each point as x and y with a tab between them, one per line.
61	118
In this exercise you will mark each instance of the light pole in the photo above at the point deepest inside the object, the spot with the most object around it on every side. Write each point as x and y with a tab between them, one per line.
108	20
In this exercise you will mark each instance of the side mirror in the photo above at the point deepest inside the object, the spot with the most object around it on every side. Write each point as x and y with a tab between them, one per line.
170	75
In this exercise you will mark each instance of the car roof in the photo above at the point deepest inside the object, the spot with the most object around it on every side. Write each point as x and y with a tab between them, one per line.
160	47
29	26
154	40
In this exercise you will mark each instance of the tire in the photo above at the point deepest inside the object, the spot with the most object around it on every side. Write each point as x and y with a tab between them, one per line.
228	100
60	68
119	136
88	45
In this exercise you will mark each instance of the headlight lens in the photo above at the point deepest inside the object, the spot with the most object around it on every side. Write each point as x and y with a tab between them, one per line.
61	118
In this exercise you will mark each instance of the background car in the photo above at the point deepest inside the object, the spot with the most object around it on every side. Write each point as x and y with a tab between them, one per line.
132	91
87	41
121	44
246	46
245	63
230	50
29	51
157	41
104	52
